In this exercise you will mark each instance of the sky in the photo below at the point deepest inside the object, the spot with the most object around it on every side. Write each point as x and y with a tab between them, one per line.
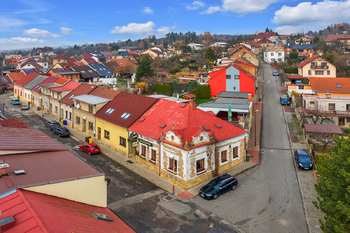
25	24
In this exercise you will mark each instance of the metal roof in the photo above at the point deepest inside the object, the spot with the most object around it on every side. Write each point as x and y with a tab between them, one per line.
91	99
233	94
35	81
319	128
221	104
101	69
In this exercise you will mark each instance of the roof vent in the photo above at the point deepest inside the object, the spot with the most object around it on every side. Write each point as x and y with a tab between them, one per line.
19	172
103	217
183	105
142	119
338	85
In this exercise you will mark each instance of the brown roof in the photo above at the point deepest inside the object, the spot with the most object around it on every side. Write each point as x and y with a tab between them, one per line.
13	123
318	128
333	38
26	139
61	80
15	76
44	168
85	71
80	90
111	65
337	85
264	40
104	93
308	60
136	105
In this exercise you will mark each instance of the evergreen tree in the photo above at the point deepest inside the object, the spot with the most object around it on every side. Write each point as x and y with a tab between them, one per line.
333	188
144	69
209	54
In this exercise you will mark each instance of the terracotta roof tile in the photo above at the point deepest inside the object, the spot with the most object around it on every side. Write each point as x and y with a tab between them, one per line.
319	128
80	90
336	85
26	79
15	76
104	93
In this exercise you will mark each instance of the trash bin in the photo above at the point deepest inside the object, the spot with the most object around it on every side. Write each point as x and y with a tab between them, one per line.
38	108
64	122
87	139
90	140
247	157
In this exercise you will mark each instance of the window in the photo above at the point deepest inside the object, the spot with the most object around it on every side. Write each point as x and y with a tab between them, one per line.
56	109
228	76
309	72
143	150
236	76
66	114
223	156
173	164
272	59
91	108
107	134
235	152
200	165
70	116
301	87
312	102
348	107
122	141
323	64
91	126
328	72
313	63
272	54
279	54
319	72
154	155
77	119
331	107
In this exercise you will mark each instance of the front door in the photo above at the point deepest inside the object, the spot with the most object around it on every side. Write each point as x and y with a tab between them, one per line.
84	125
98	134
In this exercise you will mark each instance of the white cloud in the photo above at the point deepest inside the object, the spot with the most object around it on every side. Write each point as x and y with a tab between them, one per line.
288	29
141	29
82	35
20	43
147	10
67	31
321	13
241	7
195	5
34	32
211	10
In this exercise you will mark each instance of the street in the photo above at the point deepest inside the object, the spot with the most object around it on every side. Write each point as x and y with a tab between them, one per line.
267	198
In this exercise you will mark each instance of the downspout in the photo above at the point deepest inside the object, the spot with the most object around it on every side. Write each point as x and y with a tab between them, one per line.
128	144
160	156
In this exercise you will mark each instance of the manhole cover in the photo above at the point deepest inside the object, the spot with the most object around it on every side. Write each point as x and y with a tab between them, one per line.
168	198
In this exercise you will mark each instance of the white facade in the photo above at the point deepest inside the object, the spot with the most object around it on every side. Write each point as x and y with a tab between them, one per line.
219	44
274	55
196	46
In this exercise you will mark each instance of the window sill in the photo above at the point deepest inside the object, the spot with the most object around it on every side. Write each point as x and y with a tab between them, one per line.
224	161
143	156
153	161
171	171
201	172
235	157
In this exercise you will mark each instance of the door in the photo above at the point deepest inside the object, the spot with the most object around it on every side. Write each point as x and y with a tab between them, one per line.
84	125
98	134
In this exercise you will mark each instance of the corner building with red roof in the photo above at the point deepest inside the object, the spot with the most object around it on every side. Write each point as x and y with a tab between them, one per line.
203	145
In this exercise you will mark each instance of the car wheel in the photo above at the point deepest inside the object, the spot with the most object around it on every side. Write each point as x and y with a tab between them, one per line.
81	149
89	153
215	196
234	187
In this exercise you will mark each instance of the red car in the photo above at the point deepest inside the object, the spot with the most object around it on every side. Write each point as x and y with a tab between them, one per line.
90	148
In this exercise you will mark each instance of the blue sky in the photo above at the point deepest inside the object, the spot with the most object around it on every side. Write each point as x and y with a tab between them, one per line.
35	23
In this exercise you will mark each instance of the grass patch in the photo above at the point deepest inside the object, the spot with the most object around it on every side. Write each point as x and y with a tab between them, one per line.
202	101
297	126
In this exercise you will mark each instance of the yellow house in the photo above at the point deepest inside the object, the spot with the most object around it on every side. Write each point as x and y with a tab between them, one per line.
115	118
316	66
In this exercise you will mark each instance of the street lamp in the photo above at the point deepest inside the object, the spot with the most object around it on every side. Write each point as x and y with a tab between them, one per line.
172	157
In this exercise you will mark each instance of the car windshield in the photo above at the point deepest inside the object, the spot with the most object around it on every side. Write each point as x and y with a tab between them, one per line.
213	183
304	158
95	147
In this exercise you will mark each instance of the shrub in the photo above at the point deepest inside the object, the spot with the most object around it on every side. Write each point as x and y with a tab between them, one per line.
291	70
143	86
165	89
202	92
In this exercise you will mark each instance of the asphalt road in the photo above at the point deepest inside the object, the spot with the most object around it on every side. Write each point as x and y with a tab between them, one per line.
141	204
267	198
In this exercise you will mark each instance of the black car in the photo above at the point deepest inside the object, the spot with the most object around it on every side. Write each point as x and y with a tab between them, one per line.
284	101
218	185
303	160
62	132
52	124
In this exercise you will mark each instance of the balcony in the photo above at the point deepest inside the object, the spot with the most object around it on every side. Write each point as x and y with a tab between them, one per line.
319	67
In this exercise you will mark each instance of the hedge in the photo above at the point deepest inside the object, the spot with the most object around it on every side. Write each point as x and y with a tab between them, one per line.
291	70
184	87
165	89
202	92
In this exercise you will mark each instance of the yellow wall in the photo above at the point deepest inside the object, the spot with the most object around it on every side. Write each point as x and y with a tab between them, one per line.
333	94
304	71
92	190
115	131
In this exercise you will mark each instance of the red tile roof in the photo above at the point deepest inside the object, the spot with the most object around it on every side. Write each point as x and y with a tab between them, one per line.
71	85
36	212
60	57
333	38
191	95
61	80
336	85
121	62
310	59
50	79
12	139
13	123
80	90
253	43
87	55
26	79
187	122
136	105
265	34
319	128
104	93
90	60
264	40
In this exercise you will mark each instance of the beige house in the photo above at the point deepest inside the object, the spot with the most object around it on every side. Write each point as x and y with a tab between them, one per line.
316	66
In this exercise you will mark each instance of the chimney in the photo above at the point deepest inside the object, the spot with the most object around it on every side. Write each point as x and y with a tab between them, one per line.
193	104
249	97
107	87
3	168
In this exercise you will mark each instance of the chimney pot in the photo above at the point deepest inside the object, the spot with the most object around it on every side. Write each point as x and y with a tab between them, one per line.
193	104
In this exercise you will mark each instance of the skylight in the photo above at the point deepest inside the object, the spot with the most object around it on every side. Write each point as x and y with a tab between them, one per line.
104	217
109	111
83	71
70	97
206	128
183	105
142	119
338	85
218	125
163	126
125	116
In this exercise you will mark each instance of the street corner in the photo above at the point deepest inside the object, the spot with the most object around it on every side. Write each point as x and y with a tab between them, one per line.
254	156
186	195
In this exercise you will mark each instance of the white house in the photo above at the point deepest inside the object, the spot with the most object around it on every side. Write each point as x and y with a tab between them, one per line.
196	46
274	54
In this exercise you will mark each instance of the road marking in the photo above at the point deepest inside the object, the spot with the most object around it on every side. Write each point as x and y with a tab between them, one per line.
135	199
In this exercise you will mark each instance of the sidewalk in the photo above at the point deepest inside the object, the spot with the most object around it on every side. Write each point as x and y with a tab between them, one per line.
144	172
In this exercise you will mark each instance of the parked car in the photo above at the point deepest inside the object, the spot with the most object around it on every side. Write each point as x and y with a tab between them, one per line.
15	102
90	148
303	159
284	100
62	132
275	73
298	82
52	124
24	108
218	186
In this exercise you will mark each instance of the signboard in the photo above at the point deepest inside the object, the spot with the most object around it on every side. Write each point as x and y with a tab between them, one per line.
133	137
134	144
145	142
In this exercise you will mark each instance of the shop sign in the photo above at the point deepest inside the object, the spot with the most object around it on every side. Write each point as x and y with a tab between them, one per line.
145	142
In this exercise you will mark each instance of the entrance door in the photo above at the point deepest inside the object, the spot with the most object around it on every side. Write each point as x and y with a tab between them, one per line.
98	134
84	125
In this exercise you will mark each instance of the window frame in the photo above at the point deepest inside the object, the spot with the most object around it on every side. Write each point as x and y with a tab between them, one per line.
143	150
91	126
347	107
235	154
224	156
201	162
228	76
329	106
171	163
153	155
91	108
122	141
106	134
77	120
236	76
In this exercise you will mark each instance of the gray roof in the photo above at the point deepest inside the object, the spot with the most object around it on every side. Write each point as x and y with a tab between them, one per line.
91	99
68	72
233	94
86	71
35	81
221	104
101	69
